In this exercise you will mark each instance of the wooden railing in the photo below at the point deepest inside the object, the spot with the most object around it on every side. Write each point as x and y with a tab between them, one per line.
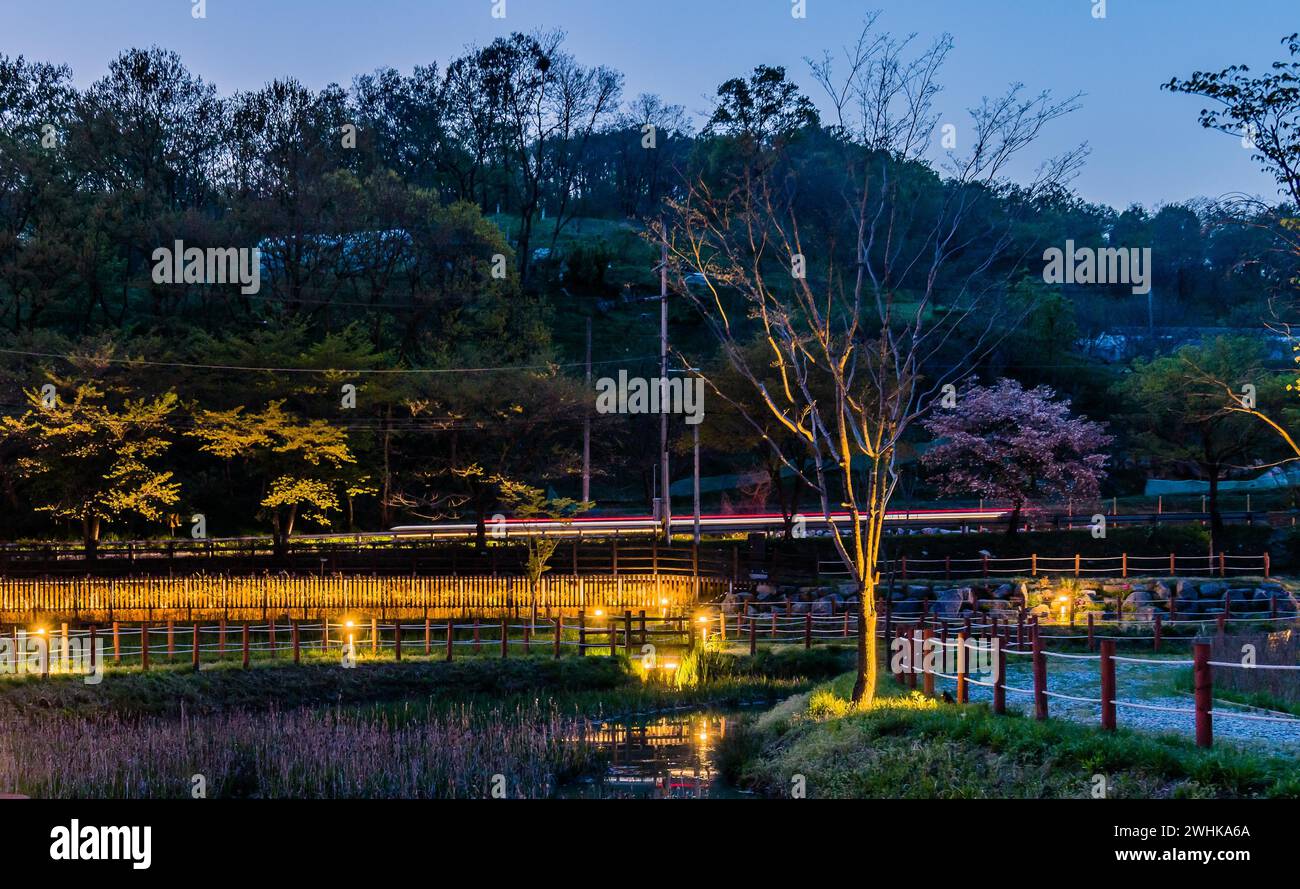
302	597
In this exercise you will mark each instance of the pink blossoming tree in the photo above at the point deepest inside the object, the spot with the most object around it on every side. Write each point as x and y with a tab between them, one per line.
1004	443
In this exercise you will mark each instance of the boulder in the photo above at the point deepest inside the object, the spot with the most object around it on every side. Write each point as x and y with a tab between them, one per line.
1001	591
947	603
1161	590
1241	594
1212	590
1147	612
1138	599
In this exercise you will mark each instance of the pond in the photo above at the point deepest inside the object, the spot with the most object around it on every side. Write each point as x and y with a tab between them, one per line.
658	756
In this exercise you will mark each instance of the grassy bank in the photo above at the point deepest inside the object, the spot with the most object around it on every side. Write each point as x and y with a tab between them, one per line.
907	746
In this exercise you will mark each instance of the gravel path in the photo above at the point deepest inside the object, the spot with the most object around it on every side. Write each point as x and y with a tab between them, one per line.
1147	684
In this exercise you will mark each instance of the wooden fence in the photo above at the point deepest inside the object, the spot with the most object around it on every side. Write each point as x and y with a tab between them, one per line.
302	597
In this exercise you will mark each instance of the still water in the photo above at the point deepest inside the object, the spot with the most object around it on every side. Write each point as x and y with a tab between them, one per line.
661	756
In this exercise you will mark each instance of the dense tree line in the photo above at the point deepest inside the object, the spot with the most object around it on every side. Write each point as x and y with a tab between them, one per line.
432	244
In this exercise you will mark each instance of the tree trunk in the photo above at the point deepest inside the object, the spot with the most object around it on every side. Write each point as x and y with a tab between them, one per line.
90	536
1216	518
1013	526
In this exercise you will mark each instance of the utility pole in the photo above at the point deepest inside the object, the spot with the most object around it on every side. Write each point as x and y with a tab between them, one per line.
664	484
586	426
696	427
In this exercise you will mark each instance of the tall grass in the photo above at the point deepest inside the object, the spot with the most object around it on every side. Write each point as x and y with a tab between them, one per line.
413	752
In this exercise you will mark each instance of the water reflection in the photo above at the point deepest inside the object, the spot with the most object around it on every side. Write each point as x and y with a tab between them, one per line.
657	757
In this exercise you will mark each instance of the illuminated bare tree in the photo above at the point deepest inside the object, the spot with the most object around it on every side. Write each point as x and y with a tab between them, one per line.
868	297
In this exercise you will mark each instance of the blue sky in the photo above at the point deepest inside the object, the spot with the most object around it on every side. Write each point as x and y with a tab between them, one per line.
1146	144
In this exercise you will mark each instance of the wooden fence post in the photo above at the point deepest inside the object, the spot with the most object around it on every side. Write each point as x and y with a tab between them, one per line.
927	680
807	631
194	654
1040	674
171	639
1108	685
397	638
1158	626
627	632
1123	564
911	656
245	645
451	626
144	646
117	644
428	637
1204	689
753	637
297	641
1092	642
270	635
374	635
1000	676
582	633
559	628
963	667
93	653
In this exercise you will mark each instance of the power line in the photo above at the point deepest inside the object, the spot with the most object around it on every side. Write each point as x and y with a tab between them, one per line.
309	370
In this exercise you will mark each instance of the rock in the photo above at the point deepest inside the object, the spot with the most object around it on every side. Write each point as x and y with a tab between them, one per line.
1185	589
1138	598
823	607
1161	590
948	602
1212	590
1147	612
1001	591
1241	594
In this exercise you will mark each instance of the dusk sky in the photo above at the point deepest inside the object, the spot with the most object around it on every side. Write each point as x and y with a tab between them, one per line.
1146	144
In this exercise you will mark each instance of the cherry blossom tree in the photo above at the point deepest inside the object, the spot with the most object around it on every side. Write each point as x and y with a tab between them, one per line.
1004	443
